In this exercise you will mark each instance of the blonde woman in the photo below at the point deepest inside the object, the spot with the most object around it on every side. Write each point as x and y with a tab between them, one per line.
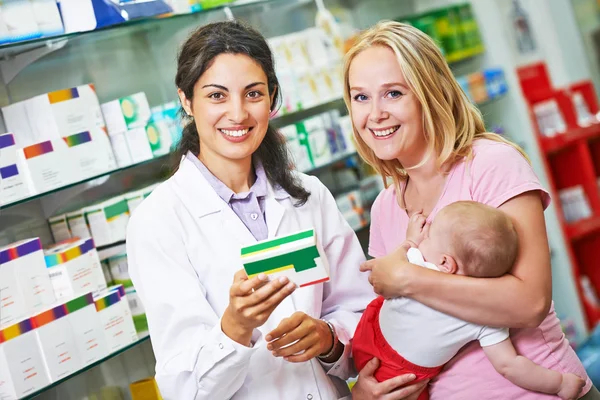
414	125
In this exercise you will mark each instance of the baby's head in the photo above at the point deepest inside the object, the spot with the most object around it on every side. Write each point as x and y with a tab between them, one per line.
470	238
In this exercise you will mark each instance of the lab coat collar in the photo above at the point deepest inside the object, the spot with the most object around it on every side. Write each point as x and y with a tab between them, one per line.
201	199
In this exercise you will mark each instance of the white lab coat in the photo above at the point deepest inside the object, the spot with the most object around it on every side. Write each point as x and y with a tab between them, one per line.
183	246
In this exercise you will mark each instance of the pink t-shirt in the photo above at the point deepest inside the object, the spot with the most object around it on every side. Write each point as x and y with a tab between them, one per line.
496	174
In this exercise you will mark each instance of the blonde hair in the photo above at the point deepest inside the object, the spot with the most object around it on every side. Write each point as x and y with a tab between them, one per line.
450	121
482	239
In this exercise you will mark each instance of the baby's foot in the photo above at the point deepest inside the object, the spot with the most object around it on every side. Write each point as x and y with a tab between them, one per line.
570	387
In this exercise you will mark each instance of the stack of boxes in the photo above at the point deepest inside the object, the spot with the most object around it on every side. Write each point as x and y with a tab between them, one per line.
61	137
319	140
126	120
57	316
308	69
105	221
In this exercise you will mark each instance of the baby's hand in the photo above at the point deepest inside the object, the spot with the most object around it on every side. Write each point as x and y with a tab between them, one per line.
416	228
570	387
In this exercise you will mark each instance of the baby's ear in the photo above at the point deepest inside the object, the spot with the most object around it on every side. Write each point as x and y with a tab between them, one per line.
448	264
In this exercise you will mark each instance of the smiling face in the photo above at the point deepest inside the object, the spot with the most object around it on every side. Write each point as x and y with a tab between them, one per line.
231	109
385	112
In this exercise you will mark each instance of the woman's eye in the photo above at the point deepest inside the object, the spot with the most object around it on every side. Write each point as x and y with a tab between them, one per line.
394	94
216	96
254	94
360	97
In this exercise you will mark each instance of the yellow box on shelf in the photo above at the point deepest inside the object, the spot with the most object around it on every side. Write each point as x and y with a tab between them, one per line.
145	389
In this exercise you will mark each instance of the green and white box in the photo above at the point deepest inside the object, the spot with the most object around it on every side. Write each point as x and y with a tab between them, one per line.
298	256
59	227
87	328
119	270
108	220
77	224
126	113
126	120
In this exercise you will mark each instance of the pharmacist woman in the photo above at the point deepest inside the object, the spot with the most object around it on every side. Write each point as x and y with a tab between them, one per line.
217	334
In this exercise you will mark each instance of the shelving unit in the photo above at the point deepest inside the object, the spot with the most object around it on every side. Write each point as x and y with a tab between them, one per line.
571	158
142	339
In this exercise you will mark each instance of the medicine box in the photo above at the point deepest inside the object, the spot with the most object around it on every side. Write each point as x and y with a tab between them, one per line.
25	287
22	367
59	228
119	270
47	165
298	256
108	220
57	341
138	312
115	316
87	328
13	183
77	224
72	115
126	113
74	268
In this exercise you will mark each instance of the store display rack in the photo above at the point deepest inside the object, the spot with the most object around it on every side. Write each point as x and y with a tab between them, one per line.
571	158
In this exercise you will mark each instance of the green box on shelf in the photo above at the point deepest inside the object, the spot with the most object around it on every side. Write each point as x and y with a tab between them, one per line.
206	4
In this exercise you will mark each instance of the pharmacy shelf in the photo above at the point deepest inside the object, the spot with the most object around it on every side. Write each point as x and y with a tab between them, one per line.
293	117
8	50
582	228
332	162
91	178
560	141
142	338
288	119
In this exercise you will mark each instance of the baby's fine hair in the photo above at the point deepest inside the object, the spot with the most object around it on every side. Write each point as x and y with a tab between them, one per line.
483	238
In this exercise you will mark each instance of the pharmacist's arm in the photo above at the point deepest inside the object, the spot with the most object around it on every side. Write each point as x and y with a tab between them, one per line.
348	291
195	359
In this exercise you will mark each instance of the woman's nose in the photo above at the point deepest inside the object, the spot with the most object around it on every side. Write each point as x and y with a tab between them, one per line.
237	111
377	112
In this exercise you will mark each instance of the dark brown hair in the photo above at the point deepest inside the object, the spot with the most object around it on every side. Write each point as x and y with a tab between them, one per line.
196	56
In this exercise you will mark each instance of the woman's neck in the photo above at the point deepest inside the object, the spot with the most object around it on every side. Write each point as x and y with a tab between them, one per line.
237	175
425	174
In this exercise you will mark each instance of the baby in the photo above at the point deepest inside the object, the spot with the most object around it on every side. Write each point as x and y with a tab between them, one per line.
466	238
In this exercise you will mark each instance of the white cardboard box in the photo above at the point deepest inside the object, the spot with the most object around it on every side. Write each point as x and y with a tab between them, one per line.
13	183
88	329
47	165
74	268
72	115
22	264
116	319
57	341
22	367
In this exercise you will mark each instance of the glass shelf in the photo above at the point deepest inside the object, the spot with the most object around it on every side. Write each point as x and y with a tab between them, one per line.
288	119
15	48
142	338
91	178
